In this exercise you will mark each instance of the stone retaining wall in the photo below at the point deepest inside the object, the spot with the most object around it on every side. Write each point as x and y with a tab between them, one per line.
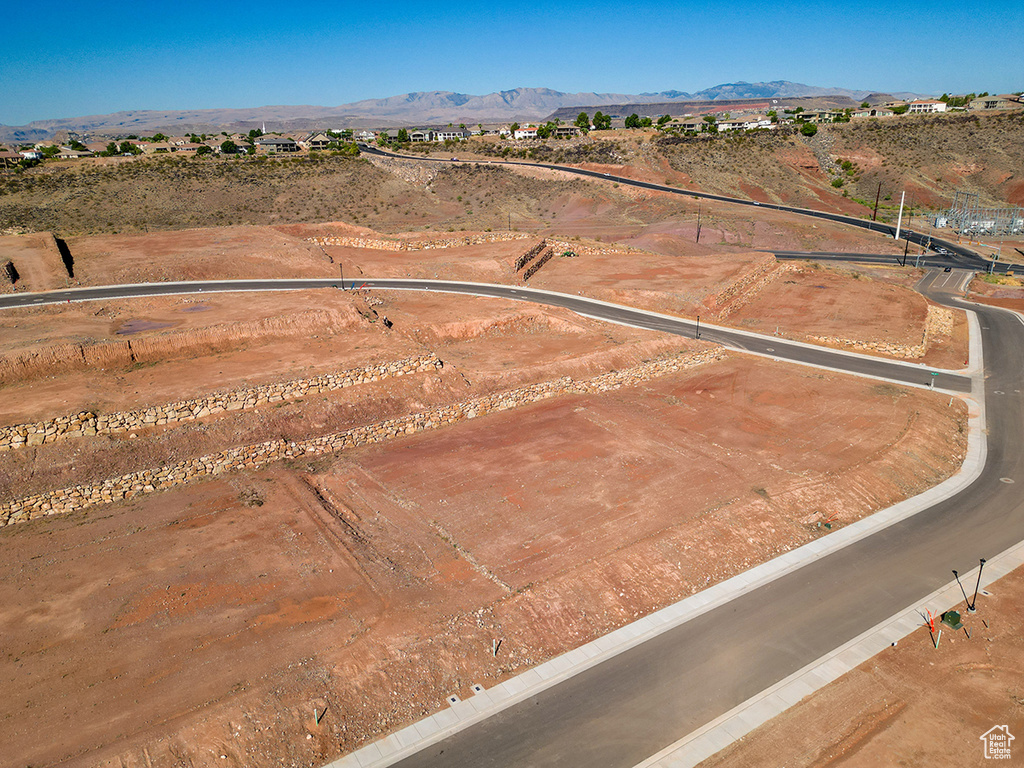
382	244
749	285
529	256
88	423
538	264
255	456
938	323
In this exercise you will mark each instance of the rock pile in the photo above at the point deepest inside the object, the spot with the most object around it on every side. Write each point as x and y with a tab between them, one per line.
382	244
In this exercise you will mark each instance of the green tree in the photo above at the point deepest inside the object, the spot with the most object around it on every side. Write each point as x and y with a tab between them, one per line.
602	122
50	151
633	121
710	124
645	122
159	137
901	109
111	149
403	136
229	148
76	145
864	105
582	121
204	150
773	115
808	129
127	148
514	127
254	134
664	119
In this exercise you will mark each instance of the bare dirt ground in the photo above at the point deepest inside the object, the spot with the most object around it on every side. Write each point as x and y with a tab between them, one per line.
36	260
211	620
215	624
909	705
999	291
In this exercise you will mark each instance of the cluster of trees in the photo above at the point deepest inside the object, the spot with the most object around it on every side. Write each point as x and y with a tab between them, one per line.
961	101
124	148
602	122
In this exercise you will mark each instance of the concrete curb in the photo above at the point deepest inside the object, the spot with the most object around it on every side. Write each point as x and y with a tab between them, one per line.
748	715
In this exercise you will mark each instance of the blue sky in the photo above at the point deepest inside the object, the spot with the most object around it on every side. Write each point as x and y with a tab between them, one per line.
94	58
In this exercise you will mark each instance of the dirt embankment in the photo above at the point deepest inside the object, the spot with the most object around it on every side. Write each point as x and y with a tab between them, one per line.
61	358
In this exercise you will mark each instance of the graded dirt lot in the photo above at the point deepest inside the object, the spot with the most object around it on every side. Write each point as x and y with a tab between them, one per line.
912	704
183	626
288	614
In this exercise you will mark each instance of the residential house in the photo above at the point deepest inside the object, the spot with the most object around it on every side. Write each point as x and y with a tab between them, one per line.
316	141
820	116
365	136
690	125
731	124
453	134
422	135
31	154
155	147
758	122
276	145
97	146
1006	101
188	148
525	132
67	153
10	158
873	112
927	106
566	131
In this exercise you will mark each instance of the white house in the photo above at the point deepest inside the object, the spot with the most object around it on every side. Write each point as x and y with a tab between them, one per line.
927	106
731	124
453	134
526	132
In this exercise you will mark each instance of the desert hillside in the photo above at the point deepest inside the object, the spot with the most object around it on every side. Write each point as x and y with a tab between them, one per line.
838	169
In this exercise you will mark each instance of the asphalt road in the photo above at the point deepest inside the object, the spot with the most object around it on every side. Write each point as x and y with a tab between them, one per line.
631	706
764	345
625	709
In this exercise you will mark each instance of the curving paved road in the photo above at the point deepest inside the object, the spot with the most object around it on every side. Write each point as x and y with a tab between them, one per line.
631	706
957	255
768	346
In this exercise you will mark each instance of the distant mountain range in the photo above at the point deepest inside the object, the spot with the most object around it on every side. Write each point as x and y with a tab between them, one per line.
424	108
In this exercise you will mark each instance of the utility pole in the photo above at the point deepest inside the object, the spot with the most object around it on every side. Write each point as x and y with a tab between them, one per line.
899	220
874	216
698	222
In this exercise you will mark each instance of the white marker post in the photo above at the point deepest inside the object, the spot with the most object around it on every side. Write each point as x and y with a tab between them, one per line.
899	221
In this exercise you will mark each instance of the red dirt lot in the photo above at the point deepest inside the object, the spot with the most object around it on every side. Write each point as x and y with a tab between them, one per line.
36	260
910	705
209	621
